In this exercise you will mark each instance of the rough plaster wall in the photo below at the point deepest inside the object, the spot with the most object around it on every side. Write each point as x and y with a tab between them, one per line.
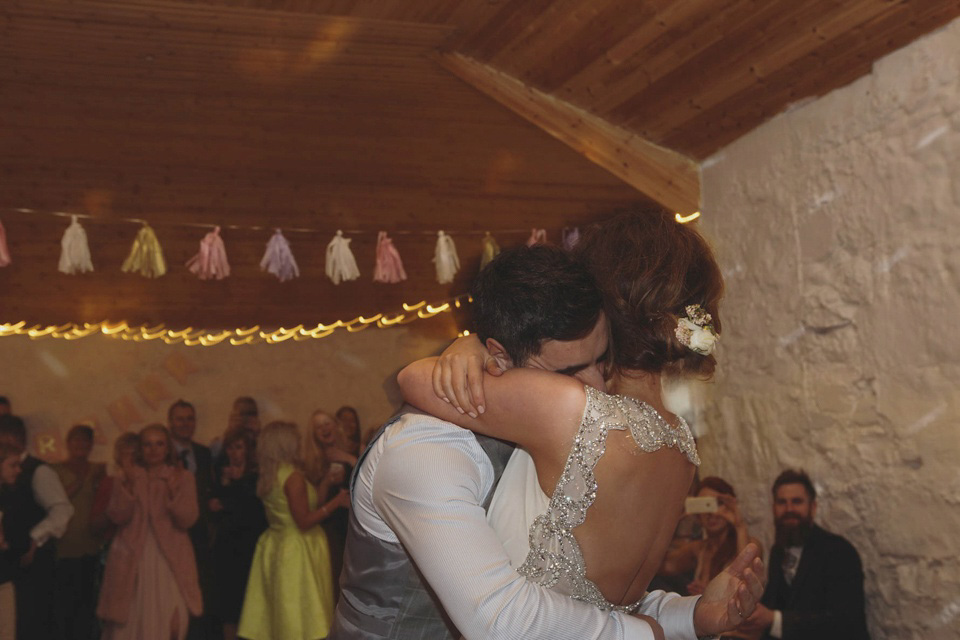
838	225
123	385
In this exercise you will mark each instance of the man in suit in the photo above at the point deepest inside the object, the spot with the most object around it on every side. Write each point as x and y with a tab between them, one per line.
815	588
38	507
196	458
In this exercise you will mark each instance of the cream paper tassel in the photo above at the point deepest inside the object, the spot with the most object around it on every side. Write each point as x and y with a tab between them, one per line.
341	265
74	250
446	259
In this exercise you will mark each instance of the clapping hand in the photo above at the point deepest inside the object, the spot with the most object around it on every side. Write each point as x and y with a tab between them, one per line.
732	596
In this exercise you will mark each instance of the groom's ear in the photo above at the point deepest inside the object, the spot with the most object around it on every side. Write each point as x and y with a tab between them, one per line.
498	353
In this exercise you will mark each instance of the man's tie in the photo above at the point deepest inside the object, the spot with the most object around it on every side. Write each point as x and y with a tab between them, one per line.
185	458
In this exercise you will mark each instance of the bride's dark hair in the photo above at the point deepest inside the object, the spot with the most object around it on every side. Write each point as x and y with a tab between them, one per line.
649	268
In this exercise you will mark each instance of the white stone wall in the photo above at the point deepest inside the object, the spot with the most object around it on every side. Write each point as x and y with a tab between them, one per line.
119	385
838	228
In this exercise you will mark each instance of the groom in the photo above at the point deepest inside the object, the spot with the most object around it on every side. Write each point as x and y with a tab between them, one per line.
421	560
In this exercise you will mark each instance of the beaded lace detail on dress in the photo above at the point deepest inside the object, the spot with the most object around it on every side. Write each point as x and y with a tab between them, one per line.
555	560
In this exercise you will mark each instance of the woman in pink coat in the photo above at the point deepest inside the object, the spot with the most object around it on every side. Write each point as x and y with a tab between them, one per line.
150	584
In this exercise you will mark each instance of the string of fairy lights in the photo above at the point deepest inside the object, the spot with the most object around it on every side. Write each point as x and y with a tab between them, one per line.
190	336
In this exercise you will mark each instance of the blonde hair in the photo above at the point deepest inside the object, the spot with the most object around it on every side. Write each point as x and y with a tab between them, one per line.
279	443
171	459
315	464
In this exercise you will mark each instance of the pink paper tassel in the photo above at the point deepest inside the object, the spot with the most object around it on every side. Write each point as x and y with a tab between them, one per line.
571	236
278	258
389	267
4	252
211	262
537	236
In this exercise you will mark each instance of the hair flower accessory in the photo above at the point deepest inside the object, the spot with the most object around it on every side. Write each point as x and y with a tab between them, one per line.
695	331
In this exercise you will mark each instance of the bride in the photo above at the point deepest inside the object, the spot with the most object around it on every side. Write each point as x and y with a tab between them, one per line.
616	467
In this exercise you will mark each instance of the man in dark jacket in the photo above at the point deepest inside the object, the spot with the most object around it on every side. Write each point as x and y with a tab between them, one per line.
815	589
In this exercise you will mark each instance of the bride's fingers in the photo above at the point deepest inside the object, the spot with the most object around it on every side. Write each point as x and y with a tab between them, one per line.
446	381
733	612
753	582
437	378
744	559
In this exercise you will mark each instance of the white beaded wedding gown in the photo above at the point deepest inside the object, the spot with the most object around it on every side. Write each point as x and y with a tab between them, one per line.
537	531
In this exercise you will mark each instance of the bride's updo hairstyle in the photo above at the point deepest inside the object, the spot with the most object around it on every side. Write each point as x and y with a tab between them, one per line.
649	268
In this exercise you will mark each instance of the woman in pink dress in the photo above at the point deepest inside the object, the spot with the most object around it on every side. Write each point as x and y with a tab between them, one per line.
150	585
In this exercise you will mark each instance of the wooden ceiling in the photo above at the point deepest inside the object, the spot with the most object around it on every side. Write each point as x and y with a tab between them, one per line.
403	115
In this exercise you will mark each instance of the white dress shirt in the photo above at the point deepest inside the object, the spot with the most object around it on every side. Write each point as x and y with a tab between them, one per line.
49	494
422	484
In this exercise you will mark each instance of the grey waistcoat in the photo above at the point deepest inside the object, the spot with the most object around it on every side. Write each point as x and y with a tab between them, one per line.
382	594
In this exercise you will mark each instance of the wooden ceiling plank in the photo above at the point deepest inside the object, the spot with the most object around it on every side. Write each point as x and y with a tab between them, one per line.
814	75
667	177
743	65
507	25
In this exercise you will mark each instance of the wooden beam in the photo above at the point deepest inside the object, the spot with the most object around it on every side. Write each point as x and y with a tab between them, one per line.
666	176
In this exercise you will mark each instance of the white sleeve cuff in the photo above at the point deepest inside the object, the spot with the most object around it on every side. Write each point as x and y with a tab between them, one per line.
776	629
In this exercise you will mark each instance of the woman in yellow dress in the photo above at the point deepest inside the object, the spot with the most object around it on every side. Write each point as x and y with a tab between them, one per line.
290	591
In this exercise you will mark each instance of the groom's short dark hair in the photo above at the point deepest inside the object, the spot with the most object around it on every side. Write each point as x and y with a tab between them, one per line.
528	295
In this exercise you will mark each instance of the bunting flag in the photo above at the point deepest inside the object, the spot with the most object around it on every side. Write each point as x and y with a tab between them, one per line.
146	255
446	259
537	236
278	258
389	266
74	250
210	263
571	236
489	249
341	266
4	252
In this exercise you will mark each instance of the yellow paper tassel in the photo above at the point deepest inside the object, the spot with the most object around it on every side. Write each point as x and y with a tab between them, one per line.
489	251
146	256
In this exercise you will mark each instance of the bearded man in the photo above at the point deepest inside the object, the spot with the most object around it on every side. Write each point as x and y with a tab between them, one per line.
815	586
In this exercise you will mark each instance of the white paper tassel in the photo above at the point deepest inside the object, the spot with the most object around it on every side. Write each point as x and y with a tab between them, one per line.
74	250
341	265
446	259
278	258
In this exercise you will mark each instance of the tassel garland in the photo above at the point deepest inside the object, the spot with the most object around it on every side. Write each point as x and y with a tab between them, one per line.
74	250
389	267
341	266
489	249
446	259
146	256
571	236
4	252
211	262
537	236
278	258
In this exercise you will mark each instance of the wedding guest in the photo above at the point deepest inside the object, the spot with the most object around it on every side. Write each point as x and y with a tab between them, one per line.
78	551
815	586
196	458
13	541
325	460
240	519
150	585
725	535
350	428
125	451
244	413
290	591
45	512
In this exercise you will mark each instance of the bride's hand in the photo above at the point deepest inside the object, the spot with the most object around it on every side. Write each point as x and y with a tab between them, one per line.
732	596
458	374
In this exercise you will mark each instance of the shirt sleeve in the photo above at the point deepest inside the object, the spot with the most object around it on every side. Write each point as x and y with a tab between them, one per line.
429	493
673	612
776	628
49	493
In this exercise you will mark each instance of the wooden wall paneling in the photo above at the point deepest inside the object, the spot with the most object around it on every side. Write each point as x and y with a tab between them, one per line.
665	176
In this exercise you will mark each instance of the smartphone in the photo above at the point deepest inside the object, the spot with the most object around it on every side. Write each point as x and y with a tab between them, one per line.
706	504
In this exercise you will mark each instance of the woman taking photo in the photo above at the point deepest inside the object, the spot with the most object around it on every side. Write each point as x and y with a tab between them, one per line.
290	590
150	585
